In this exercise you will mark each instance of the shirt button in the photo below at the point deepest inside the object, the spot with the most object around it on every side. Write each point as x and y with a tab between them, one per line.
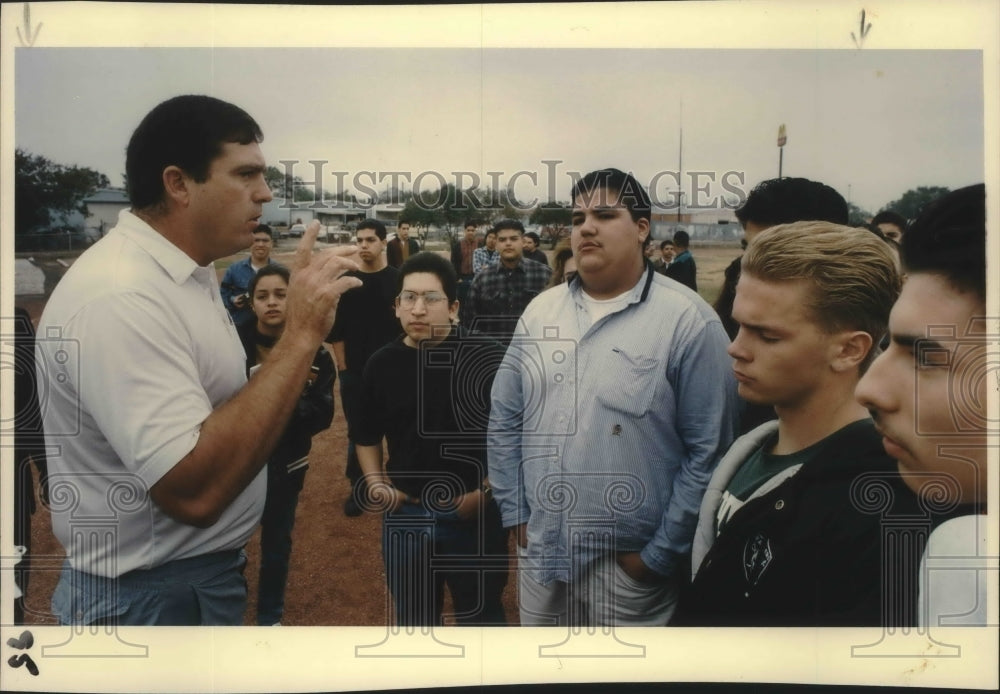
778	505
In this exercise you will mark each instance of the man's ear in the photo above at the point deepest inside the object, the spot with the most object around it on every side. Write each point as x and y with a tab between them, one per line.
177	185
850	349
643	224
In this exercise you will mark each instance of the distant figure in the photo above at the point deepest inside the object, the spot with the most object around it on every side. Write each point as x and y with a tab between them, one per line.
667	254
236	281
531	249
287	465
365	322
935	428
563	264
402	247
683	268
462	255
890	223
499	294
488	254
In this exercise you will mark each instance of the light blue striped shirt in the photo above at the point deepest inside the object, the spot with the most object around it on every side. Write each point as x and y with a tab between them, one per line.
603	437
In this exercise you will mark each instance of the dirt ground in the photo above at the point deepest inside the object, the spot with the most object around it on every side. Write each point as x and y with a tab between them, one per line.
336	576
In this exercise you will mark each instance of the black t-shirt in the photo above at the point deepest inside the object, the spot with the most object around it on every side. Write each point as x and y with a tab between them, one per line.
432	406
366	319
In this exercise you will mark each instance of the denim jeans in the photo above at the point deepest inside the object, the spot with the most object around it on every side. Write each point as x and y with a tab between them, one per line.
276	541
206	590
424	550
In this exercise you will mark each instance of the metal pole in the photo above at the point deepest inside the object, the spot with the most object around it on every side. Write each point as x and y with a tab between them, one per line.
781	154
680	165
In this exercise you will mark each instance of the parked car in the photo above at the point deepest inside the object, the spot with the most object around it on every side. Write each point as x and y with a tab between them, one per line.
297	230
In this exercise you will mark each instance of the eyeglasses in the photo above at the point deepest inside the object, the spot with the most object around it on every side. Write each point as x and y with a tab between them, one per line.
408	299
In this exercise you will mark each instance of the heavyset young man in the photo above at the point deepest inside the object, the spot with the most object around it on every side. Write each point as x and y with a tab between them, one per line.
609	415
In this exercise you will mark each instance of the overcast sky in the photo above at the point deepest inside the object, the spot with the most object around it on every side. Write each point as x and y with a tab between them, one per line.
871	123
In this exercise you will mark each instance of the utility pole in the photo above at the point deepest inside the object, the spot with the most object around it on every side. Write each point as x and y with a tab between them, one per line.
782	139
680	160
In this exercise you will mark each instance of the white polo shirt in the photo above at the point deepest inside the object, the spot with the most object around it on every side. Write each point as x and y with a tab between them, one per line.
134	351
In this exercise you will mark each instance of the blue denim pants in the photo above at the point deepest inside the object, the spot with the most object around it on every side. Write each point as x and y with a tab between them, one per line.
425	549
276	541
207	590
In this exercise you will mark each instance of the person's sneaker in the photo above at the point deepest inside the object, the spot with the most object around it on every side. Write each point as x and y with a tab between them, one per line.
351	508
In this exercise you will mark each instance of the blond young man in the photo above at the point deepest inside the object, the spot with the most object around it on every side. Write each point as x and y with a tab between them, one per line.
782	537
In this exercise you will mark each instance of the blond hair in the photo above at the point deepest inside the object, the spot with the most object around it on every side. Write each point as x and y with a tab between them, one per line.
852	272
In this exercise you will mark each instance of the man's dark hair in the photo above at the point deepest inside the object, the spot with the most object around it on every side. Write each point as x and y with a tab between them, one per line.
681	238
428	261
187	132
470	223
403	221
508	224
785	200
630	193
378	226
534	237
890	217
665	243
491	232
948	238
264	229
267	270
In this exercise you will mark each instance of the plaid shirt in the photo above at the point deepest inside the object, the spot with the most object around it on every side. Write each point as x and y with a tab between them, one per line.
499	295
483	258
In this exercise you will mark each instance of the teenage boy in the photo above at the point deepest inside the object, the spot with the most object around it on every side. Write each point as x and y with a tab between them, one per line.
609	414
486	256
532	251
236	282
499	294
286	468
365	322
927	395
399	250
427	395
682	268
784	537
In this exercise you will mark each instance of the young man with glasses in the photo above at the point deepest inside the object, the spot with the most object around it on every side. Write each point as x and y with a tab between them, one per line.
428	395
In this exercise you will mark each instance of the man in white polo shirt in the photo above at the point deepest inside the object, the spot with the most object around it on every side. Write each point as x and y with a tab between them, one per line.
155	438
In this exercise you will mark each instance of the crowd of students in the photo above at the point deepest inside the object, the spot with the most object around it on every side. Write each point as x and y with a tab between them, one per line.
657	461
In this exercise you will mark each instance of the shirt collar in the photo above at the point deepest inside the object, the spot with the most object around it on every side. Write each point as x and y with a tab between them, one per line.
637	294
172	259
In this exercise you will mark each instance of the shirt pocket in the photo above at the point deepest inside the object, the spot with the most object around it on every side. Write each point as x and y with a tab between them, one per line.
628	383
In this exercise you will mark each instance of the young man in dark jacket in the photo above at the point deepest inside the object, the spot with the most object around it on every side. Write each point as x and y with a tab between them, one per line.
286	468
790	531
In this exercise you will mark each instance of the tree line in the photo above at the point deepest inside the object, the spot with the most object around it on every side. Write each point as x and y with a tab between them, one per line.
46	193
